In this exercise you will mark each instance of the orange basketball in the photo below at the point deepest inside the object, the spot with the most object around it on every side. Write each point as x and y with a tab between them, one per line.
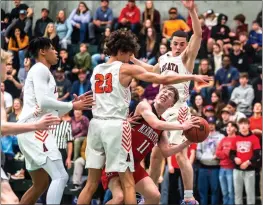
198	134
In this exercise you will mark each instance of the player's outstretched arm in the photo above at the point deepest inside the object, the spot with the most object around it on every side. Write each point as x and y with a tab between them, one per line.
9	128
146	66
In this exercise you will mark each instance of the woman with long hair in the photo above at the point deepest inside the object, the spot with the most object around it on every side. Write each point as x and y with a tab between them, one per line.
51	33
64	29
16	110
198	105
153	15
217	103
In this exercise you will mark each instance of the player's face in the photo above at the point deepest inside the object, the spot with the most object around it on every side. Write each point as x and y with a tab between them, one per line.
165	98
178	45
51	55
230	129
124	57
243	127
3	72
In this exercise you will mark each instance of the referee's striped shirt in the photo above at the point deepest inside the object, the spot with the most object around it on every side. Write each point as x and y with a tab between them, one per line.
63	134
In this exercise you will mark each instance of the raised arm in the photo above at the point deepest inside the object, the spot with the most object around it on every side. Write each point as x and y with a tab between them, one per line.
146	66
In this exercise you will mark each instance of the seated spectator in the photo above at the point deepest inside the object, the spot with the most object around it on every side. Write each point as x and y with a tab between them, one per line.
51	33
246	47
241	26
8	99
257	86
235	115
143	33
153	15
18	43
163	49
80	125
173	24
80	19
259	18
16	110
255	36
224	119
202	53
100	57
64	29
256	120
79	165
150	92
245	153
208	176
66	63
198	105
63	85
226	78
42	23
129	17
216	57
150	47
210	18
18	7
102	19
5	22
208	111
216	101
226	164
136	88
221	30
82	60
243	95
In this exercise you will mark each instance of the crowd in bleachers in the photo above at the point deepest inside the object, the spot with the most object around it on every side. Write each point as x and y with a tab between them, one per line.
233	56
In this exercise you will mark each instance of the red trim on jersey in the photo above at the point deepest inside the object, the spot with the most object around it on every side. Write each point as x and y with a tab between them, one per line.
126	136
41	135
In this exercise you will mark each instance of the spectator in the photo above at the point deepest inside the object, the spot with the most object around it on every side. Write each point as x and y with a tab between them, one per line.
163	49
217	103
246	47
63	85
257	86
208	176
226	164
221	30
79	165
18	7
209	111
245	153
143	33
205	36
51	33
173	24
22	73
150	47
18	43
42	23
259	18
16	110
8	99
216	57
198	105
80	19
102	19
82	60
241	26
224	119
66	63
12	84
235	115
100	57
243	95
80	125
150	92
64	29
210	18
129	17
256	120
5	22
153	15
255	36
226	78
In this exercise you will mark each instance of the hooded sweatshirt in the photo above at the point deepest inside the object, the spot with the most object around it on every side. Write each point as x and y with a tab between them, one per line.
131	14
220	31
206	150
243	97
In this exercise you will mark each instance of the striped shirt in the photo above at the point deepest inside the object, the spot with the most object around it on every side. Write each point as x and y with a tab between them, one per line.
63	134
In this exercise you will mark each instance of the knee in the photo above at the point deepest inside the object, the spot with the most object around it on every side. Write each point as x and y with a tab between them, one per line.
156	197
118	198
91	185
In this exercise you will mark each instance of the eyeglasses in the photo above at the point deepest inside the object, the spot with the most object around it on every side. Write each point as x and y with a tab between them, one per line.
173	13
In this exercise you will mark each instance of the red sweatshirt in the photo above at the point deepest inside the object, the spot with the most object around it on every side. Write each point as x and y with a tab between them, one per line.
133	14
222	153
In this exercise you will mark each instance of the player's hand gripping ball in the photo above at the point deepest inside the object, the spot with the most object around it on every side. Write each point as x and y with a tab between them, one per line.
198	134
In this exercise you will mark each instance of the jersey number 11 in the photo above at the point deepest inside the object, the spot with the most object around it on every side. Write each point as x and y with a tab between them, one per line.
143	146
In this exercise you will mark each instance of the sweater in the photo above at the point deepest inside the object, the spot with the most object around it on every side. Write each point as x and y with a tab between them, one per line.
131	14
18	44
64	30
82	61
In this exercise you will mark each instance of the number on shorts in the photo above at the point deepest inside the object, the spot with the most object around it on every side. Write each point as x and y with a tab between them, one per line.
100	79
143	146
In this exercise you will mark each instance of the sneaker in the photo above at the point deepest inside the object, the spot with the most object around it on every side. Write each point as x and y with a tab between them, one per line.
17	156
189	202
76	187
20	174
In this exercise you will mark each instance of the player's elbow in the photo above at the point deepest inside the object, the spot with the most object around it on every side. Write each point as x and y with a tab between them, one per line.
155	125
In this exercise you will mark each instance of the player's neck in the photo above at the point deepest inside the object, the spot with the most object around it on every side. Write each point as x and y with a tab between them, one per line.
159	109
43	61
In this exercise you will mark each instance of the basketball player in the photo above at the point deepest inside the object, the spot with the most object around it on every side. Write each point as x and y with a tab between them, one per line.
145	136
42	156
7	128
181	61
109	132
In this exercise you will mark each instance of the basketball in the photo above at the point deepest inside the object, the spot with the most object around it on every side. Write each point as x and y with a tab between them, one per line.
198	134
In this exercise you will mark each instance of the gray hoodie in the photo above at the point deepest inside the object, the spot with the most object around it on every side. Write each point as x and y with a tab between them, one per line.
206	150
243	97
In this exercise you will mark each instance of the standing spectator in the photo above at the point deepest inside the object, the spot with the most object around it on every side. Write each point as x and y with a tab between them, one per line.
153	15
8	99
63	85
245	153
235	115
239	58
173	24
129	17
216	57
226	164
208	176
51	33
255	36
198	105
224	120
80	19
64	139
82	59
217	102
16	110
210	18
226	78
243	95
64	29
42	23
102	19
12	84
80	125
256	120
18	7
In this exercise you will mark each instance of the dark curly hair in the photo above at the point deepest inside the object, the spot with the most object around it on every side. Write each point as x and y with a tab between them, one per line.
121	40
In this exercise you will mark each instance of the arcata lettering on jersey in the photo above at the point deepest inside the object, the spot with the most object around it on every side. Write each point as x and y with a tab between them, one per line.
149	132
170	66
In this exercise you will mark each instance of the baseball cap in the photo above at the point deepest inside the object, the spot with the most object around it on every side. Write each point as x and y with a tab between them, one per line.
22	12
211	120
209	108
225	109
59	69
210	11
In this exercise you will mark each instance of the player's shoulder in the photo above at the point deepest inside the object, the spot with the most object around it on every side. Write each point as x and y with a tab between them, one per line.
143	105
38	67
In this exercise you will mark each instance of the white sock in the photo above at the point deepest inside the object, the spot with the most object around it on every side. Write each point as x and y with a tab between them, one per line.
188	194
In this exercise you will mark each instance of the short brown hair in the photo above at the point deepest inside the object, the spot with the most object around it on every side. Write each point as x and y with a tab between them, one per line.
84	44
174	90
240	17
244	120
243	75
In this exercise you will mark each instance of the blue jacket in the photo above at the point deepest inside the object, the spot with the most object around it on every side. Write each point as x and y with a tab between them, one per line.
76	86
255	37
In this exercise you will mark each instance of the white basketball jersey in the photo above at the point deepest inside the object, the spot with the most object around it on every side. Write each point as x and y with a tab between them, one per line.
170	64
111	98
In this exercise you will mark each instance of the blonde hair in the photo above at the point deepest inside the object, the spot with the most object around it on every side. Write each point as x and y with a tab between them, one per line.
6	56
53	34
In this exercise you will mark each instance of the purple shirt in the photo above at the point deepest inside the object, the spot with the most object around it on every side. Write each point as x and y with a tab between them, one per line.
151	92
79	128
